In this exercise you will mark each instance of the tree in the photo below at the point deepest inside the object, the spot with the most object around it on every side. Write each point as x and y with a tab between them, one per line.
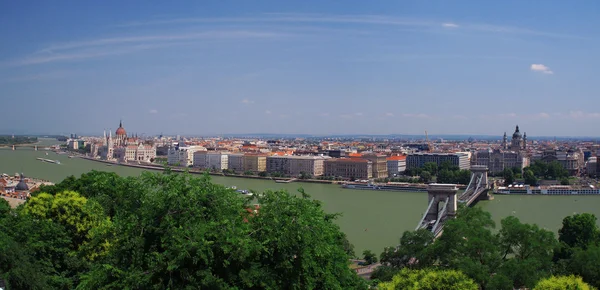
508	175
579	230
527	252
369	257
262	174
469	245
248	172
185	232
562	283
529	177
428	279
586	263
425	176
430	167
304	175
412	252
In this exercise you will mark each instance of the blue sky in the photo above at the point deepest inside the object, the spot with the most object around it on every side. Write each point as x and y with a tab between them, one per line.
316	67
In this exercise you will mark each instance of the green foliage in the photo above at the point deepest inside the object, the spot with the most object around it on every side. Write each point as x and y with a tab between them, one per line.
428	279
551	171
248	172
586	263
531	251
509	176
9	140
263	174
412	252
579	230
304	175
529	177
426	176
369	257
562	283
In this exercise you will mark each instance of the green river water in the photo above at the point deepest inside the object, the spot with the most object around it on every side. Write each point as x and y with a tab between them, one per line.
371	219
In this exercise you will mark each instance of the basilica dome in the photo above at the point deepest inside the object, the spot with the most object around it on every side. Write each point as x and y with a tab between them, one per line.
517	134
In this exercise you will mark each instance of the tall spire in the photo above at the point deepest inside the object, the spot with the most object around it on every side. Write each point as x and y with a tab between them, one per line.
121	123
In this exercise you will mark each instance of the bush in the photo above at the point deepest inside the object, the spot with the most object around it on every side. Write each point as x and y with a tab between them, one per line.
562	283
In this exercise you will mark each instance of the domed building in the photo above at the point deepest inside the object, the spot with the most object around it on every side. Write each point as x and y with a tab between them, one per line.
126	149
22	185
507	156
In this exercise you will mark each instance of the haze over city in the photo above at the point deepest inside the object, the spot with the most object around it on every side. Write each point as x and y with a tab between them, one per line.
351	67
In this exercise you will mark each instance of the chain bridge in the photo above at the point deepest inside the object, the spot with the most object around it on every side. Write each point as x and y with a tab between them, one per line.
446	195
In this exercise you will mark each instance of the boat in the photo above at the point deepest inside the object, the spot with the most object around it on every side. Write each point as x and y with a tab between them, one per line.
49	160
391	186
244	192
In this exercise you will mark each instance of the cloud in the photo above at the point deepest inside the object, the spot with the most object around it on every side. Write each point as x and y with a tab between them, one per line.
543	115
460	117
247	102
268	112
358	114
450	25
324	114
541	68
581	115
382	20
153	111
95	48
389	114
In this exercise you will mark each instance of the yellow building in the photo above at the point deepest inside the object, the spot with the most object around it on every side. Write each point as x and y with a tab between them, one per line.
255	162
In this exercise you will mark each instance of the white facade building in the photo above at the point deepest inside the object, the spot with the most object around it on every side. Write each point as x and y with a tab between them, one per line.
183	156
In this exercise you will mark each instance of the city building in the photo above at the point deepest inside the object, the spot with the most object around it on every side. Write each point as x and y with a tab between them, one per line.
417	160
497	160
73	144
123	148
349	168
379	164
183	156
508	156
570	160
216	160
396	165
255	162
295	165
592	166
236	162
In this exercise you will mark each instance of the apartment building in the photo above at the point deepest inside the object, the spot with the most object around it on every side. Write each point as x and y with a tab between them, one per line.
379	164
417	160
295	165
352	168
183	156
255	162
235	162
396	165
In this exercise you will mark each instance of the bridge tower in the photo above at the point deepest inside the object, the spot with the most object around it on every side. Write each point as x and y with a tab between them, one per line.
480	172
438	193
35	148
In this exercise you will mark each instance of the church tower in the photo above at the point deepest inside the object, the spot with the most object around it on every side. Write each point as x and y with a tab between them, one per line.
524	141
504	142
516	143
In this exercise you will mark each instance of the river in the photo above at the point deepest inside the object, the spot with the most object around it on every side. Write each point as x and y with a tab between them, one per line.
371	219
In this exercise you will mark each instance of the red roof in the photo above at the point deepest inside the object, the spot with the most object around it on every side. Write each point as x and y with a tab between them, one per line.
394	158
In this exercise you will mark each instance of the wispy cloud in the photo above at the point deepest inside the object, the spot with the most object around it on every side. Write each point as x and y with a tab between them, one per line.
324	114
450	25
541	68
247	102
579	115
153	111
268	112
389	114
78	50
381	20
38	77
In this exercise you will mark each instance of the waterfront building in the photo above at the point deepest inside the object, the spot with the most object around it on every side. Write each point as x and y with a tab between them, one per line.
216	160
295	165
235	162
379	164
592	166
571	160
124	149
350	168
396	165
508	156
497	160
255	162
417	160
183	156
73	144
